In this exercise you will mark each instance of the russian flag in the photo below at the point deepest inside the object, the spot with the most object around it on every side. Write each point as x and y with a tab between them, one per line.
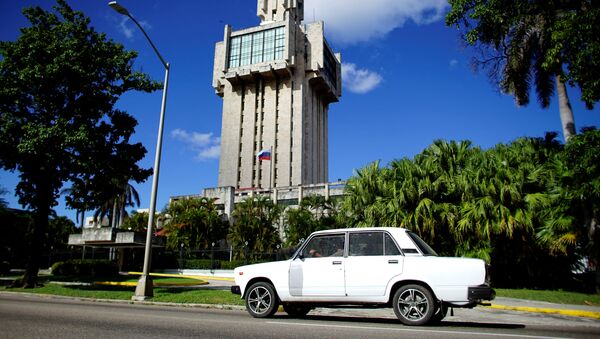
264	155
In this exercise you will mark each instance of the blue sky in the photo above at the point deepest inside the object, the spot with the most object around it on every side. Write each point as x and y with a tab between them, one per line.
407	82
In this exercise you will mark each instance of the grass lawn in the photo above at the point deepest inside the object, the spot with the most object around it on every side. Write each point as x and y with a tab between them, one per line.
558	297
204	296
174	295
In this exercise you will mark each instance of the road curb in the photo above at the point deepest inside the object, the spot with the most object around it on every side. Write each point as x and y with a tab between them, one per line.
567	312
202	277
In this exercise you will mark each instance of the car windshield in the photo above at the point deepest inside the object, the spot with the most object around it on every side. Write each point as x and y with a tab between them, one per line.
422	245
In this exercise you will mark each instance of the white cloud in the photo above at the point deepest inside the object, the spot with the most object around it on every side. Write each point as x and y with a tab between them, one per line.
353	21
203	144
126	27
128	32
359	80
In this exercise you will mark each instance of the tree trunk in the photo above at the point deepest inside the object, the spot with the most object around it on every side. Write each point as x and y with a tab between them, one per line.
566	112
37	234
594	235
82	222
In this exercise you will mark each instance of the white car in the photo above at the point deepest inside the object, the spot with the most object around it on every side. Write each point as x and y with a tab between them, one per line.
371	267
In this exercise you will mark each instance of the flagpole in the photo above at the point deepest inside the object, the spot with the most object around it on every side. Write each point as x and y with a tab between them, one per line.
271	167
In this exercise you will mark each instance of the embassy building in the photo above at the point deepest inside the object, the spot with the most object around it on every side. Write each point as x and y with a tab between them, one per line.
277	81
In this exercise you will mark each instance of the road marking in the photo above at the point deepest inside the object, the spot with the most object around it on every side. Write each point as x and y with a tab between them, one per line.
204	277
477	334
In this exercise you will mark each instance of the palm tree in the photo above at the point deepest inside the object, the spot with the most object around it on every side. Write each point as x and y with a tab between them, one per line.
78	198
115	207
525	44
254	225
194	222
527	62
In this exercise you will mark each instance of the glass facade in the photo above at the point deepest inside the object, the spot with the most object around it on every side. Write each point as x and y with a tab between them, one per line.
330	68
257	47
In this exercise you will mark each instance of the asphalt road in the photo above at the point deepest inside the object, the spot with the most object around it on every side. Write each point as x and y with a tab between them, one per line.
26	316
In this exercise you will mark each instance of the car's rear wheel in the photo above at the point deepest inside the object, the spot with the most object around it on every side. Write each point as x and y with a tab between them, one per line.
439	315
413	305
296	310
261	300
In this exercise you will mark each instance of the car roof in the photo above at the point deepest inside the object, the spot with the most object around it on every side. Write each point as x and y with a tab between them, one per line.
361	229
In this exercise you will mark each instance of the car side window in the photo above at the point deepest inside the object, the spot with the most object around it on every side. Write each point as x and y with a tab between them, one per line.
324	246
366	244
390	246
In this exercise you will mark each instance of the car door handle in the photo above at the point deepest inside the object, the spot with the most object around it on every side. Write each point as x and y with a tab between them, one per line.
392	261
337	263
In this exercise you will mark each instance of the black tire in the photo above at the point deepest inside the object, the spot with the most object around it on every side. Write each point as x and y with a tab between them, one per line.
439	315
296	310
414	305
261	300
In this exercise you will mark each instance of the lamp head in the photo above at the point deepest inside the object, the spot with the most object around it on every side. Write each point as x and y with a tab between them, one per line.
120	9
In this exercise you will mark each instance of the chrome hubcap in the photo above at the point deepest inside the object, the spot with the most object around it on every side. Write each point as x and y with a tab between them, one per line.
413	304
259	300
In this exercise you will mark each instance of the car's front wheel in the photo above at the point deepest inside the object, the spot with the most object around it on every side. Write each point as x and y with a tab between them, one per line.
413	305
261	300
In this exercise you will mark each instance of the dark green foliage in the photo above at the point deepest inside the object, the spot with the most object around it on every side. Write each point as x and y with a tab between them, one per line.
59	82
14	227
207	264
137	222
194	222
530	207
254	227
4	267
88	268
314	214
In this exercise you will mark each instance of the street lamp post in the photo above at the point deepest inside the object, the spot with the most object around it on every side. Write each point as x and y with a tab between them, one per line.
144	289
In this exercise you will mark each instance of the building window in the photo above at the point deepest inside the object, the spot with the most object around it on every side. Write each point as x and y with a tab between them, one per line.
257	47
330	68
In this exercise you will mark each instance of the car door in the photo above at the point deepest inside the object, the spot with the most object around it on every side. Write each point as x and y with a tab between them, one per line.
318	271
373	260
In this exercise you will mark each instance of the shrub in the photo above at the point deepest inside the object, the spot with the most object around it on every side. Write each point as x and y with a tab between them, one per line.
4	268
92	268
201	264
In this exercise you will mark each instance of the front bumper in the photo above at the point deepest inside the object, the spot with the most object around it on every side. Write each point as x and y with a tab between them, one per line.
481	292
236	290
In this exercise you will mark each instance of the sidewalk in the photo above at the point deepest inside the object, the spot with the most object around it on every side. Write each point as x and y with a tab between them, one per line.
523	305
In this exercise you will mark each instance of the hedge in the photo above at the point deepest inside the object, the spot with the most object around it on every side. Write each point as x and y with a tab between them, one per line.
85	267
207	264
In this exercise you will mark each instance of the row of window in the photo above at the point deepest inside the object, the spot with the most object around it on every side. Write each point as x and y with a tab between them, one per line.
360	244
257	47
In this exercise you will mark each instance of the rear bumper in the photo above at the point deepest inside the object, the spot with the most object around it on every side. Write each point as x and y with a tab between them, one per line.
481	292
236	290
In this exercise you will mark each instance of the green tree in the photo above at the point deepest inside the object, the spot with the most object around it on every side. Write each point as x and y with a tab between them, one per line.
545	44
575	218
314	213
194	222
255	221
136	222
59	229
59	82
115	208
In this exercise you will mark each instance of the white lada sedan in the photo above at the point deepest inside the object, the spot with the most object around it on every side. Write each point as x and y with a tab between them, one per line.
370	267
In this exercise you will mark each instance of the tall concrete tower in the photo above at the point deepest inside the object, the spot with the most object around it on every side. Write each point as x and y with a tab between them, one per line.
277	81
